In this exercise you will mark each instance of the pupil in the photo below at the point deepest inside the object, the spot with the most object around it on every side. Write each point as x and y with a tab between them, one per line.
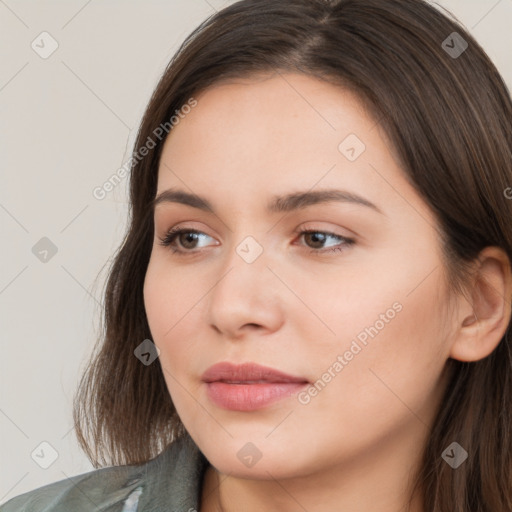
317	237
190	236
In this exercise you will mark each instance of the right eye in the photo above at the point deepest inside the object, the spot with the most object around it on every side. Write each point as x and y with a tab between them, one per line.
187	243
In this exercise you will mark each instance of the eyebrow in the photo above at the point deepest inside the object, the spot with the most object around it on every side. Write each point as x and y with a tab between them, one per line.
278	204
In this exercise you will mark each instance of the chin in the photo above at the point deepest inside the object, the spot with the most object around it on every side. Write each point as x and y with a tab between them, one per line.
255	460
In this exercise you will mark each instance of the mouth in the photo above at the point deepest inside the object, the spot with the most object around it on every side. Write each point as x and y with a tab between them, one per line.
247	381
249	387
248	373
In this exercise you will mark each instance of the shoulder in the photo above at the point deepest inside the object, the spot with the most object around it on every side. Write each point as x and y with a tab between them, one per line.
170	481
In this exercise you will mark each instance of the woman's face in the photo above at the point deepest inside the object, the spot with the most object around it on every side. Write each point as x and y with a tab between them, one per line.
363	322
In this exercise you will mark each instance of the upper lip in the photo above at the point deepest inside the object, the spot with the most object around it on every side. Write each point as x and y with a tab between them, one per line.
229	372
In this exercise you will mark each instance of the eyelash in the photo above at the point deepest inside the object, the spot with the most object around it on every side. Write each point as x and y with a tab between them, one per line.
170	237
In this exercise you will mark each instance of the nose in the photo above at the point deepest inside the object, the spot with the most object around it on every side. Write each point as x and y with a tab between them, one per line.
247	298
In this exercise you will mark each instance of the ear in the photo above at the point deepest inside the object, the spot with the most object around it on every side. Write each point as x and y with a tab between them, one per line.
481	323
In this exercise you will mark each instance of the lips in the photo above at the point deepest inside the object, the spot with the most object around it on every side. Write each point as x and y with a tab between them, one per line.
248	373
249	386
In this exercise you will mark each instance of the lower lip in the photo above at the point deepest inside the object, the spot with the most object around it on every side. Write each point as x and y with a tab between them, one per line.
250	397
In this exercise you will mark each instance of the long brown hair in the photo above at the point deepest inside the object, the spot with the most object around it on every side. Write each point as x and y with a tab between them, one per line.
448	115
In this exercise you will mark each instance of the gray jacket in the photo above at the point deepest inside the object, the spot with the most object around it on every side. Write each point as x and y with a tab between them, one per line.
171	482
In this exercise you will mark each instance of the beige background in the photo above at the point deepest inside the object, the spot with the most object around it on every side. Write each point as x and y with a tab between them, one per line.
66	123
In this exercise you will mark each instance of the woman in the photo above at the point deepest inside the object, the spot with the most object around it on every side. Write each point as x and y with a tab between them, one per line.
311	308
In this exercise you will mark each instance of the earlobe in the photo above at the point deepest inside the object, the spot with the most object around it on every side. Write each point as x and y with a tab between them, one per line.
484	321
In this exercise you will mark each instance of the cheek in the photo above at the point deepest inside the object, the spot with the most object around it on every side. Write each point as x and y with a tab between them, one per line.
164	309
395	366
168	298
157	301
172	308
390	334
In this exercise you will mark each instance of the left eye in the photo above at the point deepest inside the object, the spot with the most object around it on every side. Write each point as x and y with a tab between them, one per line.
325	235
188	241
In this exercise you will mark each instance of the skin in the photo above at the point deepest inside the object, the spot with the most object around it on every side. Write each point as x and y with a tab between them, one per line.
359	440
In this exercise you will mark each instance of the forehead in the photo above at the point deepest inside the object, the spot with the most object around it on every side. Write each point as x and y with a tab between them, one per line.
280	110
247	140
267	126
